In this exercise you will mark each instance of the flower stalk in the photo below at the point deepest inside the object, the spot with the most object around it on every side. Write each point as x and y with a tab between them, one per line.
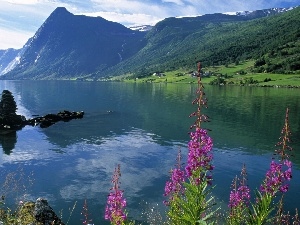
85	213
116	203
276	180
189	201
239	199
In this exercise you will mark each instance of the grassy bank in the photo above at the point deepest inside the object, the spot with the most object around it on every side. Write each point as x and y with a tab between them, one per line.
230	74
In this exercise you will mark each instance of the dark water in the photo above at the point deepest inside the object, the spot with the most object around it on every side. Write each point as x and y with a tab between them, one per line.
141	127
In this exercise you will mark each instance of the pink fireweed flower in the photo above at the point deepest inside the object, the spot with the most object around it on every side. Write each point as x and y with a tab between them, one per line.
277	177
174	186
280	173
199	156
115	206
239	196
240	193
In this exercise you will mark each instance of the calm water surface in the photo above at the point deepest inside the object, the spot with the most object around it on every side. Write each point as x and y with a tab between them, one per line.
141	127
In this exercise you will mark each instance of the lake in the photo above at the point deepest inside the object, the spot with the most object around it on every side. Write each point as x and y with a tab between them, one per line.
141	127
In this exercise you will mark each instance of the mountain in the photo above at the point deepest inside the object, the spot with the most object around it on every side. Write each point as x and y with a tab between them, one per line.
218	39
6	58
263	12
15	58
68	46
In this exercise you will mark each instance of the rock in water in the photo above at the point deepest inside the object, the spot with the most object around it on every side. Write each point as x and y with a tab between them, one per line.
44	213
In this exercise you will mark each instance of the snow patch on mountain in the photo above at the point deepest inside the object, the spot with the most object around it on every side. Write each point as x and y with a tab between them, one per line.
17	60
141	28
266	12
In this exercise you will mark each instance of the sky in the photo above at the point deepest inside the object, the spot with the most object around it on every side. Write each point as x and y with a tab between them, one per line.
20	19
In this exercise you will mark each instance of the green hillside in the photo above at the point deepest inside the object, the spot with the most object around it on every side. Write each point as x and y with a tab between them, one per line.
232	74
272	43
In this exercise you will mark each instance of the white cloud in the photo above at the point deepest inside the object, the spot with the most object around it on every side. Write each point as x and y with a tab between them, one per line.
13	38
177	2
19	20
129	7
139	12
127	19
23	2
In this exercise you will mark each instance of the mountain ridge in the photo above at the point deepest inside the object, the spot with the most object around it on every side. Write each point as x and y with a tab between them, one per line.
71	46
85	44
215	43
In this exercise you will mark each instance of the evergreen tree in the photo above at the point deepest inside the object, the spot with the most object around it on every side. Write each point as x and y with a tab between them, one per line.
8	106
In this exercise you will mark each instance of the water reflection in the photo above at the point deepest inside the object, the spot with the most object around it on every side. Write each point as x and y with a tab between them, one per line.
85	171
8	142
253	117
141	126
140	157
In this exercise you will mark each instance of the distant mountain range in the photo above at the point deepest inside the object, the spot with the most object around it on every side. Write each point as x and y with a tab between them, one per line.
70	46
6	58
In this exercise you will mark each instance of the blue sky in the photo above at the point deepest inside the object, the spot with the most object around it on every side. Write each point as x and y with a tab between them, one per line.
20	19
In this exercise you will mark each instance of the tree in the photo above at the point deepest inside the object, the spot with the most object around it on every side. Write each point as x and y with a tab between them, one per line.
8	106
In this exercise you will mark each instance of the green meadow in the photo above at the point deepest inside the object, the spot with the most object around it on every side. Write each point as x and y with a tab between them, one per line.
232	74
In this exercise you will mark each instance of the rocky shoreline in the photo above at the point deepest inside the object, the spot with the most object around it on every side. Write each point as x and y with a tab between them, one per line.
34	213
50	119
42	121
